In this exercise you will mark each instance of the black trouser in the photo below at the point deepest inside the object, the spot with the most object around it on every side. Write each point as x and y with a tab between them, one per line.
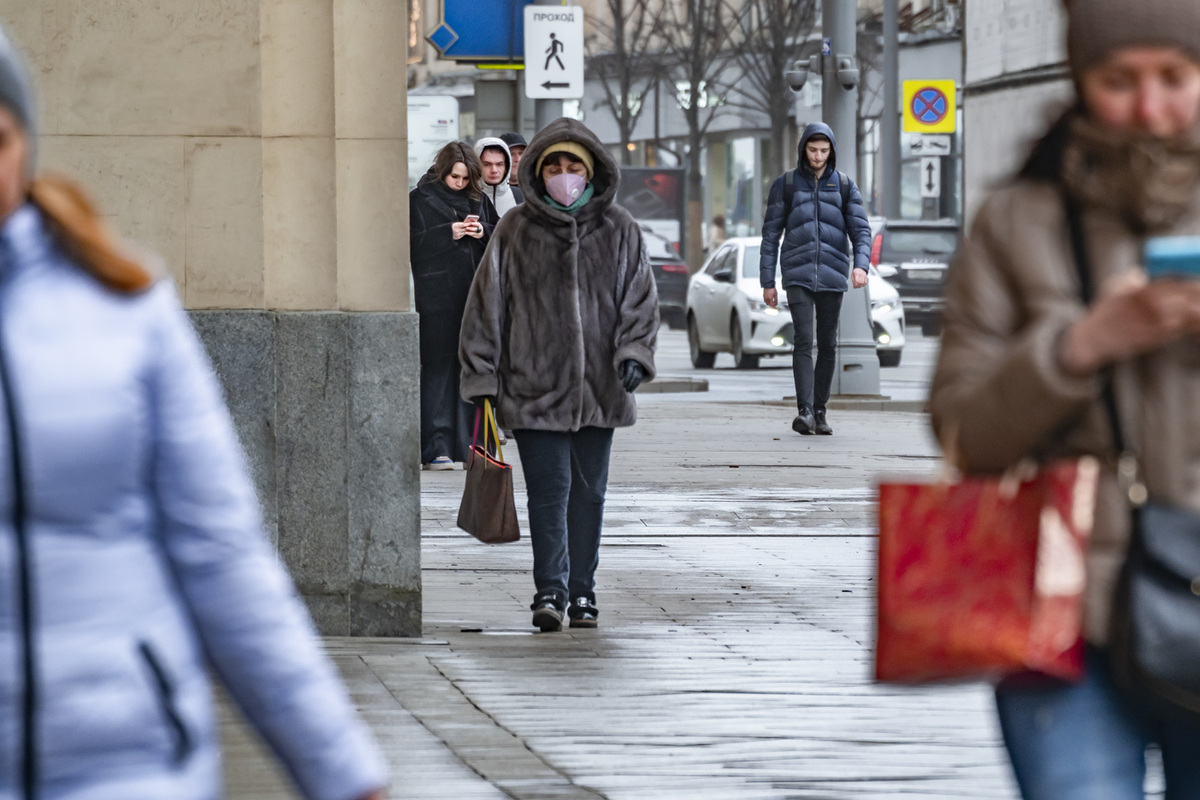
566	476
812	391
446	421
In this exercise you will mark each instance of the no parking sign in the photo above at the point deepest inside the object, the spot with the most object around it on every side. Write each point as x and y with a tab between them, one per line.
930	106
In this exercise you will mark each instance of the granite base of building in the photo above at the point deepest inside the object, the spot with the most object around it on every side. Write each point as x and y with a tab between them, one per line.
327	405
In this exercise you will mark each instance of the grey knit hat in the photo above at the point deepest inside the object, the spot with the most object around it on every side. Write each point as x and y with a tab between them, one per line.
1099	27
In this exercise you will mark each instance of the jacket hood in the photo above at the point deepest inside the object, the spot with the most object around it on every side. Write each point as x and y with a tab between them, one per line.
503	186
605	179
815	129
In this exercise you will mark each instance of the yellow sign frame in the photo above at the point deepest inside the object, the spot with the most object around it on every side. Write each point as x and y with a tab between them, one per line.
948	123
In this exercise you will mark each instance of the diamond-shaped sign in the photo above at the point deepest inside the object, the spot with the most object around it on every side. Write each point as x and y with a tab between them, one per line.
443	37
474	31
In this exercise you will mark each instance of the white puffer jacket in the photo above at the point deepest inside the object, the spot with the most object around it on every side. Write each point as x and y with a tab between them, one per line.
146	556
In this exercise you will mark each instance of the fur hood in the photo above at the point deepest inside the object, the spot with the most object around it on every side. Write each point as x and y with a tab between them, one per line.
501	195
559	302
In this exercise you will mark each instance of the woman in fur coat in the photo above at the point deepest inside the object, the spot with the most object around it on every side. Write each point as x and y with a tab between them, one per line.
132	557
445	248
559	330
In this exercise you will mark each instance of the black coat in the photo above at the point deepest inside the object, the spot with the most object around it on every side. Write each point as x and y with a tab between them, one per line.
442	267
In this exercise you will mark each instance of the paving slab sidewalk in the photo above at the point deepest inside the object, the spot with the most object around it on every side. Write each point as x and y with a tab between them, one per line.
732	659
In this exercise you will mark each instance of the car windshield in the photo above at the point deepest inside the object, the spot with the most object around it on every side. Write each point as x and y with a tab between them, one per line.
899	244
750	261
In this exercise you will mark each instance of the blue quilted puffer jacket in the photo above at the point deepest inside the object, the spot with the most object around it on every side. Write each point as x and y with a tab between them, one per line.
149	570
821	242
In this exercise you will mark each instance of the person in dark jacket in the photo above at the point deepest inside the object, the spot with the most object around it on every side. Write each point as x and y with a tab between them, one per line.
448	230
560	329
826	247
516	148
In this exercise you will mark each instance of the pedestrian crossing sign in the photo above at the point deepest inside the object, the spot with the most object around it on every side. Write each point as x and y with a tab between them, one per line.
930	106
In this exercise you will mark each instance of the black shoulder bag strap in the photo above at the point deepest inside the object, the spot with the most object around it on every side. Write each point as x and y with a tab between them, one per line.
789	192
1083	269
844	186
1154	635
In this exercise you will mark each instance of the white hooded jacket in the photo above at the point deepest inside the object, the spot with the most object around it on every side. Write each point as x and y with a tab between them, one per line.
500	195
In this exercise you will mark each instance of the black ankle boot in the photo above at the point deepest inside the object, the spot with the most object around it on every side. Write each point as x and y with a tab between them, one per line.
547	612
804	424
822	426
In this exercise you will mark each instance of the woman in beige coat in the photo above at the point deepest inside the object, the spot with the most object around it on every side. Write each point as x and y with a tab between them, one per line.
1024	361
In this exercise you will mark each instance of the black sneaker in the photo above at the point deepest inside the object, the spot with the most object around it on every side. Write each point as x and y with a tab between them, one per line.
804	424
547	612
583	613
823	428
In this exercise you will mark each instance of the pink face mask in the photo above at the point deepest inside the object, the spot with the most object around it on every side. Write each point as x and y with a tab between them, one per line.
566	188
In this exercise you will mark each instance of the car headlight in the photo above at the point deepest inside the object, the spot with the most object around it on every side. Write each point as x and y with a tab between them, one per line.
883	308
761	306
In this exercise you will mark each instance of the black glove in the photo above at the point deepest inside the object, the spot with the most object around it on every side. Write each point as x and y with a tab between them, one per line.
632	374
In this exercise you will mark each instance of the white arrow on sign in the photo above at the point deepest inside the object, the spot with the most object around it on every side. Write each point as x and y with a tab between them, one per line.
931	176
553	52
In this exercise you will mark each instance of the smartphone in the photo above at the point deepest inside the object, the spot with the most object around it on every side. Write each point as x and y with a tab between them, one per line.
472	218
1172	257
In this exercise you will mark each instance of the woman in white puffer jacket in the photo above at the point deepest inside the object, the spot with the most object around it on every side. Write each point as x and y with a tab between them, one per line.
131	553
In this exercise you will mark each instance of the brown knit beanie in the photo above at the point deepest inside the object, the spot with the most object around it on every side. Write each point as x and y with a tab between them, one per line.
1099	27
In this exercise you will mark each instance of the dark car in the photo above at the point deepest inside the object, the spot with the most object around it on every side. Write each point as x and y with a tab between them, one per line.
914	256
671	275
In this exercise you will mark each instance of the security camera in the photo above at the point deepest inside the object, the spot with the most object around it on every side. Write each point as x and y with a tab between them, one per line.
797	76
847	73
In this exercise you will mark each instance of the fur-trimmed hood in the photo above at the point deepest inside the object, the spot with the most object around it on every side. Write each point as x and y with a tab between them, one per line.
559	302
605	180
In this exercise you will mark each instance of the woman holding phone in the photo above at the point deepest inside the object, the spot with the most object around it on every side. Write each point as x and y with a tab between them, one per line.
1025	362
448	228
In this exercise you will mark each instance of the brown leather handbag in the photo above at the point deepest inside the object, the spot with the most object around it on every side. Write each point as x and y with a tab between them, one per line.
488	511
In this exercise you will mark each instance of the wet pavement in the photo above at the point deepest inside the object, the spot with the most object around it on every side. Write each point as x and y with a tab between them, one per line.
733	656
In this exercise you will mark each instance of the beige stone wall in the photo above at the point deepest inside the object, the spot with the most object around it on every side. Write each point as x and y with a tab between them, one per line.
258	146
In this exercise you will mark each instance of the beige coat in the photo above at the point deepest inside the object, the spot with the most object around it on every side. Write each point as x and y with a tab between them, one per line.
1012	293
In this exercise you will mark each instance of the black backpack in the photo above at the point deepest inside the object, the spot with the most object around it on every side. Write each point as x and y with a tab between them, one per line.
789	192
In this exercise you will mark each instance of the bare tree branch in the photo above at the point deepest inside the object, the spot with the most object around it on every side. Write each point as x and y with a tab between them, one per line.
617	47
699	36
773	34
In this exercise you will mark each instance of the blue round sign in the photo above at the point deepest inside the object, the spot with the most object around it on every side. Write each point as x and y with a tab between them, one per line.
930	106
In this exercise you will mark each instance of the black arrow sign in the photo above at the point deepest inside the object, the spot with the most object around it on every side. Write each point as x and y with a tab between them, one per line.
549	85
930	169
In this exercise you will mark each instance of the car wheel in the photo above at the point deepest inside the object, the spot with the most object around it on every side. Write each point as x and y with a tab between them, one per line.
889	358
741	358
700	359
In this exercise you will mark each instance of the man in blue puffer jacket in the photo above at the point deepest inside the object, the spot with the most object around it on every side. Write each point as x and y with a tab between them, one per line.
825	233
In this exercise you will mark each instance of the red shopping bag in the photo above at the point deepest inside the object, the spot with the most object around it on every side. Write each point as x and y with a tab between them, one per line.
984	577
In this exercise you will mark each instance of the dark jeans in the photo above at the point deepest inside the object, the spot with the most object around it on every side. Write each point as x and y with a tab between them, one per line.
812	391
446	421
1088	741
566	475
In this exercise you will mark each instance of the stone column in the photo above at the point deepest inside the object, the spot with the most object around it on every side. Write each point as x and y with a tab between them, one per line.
260	148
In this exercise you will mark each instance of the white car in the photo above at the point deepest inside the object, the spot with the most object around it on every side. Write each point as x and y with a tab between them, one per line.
726	312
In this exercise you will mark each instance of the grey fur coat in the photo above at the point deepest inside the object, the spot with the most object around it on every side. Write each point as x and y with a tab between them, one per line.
559	302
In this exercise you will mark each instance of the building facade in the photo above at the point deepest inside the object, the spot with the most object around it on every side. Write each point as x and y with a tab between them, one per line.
1017	82
259	147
